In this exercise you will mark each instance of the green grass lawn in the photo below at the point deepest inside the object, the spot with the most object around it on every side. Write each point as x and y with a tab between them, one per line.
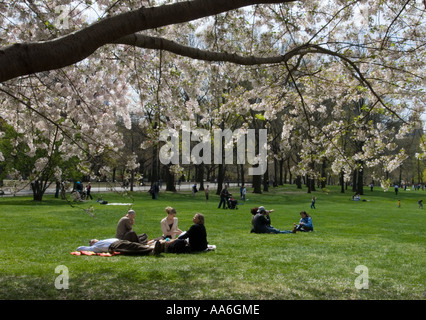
35	238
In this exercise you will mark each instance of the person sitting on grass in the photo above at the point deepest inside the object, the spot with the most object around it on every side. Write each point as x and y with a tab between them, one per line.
77	196
256	210
253	212
169	225
193	240
125	229
305	223
262	222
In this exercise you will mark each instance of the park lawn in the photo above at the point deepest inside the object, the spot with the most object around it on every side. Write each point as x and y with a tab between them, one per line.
388	241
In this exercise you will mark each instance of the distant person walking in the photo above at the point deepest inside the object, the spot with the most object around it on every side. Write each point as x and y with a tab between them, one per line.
206	192
224	194
88	190
154	191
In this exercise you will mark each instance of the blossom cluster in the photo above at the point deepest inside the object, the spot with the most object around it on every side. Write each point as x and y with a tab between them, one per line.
346	96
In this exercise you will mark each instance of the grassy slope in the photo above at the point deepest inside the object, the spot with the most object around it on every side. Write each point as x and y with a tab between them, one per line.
37	237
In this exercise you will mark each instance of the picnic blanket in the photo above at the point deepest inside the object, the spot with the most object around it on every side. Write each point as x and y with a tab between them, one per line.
210	247
91	253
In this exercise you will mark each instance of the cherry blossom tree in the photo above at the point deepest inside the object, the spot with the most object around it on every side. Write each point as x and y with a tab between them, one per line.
169	61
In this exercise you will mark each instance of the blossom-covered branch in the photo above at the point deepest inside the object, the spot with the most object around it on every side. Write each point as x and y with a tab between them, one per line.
27	58
148	42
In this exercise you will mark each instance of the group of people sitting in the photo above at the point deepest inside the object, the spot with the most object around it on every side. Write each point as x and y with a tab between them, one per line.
173	240
261	222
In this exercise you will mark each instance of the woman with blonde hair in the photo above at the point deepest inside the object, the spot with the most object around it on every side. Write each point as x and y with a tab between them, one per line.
194	240
169	225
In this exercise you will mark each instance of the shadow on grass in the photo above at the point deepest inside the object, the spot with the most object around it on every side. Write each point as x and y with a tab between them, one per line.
30	202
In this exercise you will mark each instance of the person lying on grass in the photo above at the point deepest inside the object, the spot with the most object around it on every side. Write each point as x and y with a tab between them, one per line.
112	245
193	240
98	246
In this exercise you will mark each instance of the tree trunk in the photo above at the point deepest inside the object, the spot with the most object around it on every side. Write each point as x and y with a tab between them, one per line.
266	180
257	184
154	166
309	183
170	180
360	179
39	188
354	180
220	178
114	170
200	176
132	179
275	172
242	175
299	182
323	175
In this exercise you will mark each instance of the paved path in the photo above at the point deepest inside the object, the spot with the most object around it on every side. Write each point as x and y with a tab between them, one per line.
96	188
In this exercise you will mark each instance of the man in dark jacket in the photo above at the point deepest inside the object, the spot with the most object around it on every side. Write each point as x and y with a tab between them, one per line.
224	194
261	223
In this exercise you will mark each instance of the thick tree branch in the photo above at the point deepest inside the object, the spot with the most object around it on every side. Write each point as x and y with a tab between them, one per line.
156	43
26	58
